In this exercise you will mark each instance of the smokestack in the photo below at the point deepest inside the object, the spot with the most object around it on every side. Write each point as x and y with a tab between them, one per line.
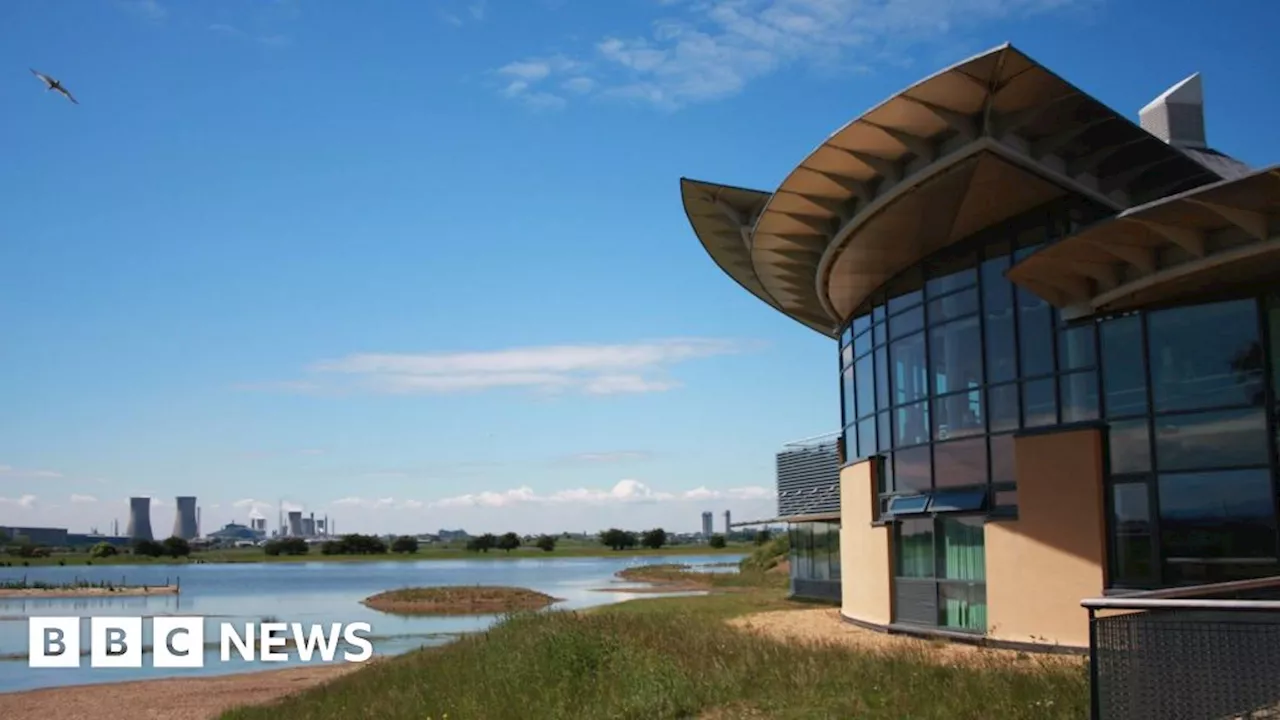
184	521
140	519
1177	116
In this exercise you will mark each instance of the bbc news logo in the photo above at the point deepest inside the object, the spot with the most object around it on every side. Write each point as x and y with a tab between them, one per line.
179	642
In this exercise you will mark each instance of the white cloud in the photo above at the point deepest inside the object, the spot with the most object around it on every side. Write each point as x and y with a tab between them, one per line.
580	85
590	369
704	50
625	491
9	472
25	501
83	499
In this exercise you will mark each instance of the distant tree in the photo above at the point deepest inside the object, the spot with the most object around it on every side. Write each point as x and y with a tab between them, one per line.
104	550
717	541
405	544
618	539
509	541
654	539
546	543
488	541
291	546
176	547
4	538
148	548
762	537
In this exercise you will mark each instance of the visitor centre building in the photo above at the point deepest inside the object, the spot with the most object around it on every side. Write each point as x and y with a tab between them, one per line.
1059	351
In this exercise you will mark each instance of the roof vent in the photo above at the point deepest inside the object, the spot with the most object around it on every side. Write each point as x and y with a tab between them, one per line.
1177	116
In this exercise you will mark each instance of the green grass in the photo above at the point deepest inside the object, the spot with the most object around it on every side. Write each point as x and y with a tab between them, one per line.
673	658
256	555
458	600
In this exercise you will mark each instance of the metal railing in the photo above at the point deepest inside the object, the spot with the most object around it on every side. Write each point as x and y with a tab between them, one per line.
1210	652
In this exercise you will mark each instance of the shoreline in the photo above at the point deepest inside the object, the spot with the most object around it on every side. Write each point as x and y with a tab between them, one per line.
171	698
88	592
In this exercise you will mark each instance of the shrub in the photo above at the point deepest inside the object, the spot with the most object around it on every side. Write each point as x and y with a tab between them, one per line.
654	539
546	543
405	544
287	546
509	541
176	547
148	548
104	550
717	541
618	539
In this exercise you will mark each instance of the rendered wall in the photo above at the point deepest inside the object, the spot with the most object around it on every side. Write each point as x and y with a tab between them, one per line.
1040	566
865	567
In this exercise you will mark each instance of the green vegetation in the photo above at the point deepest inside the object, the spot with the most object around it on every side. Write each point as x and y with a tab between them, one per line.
458	600
768	555
405	544
103	550
616	539
654	539
545	543
673	658
354	544
295	550
509	541
716	541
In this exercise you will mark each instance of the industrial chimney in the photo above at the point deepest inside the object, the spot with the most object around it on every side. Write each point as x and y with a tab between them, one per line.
1177	116
295	523
726	523
184	521
140	519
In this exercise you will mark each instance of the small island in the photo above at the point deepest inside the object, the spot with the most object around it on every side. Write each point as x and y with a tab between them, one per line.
459	600
81	589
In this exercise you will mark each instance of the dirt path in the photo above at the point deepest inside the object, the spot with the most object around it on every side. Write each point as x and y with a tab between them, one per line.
167	699
823	625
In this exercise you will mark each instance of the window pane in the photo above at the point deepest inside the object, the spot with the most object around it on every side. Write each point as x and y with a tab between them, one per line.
914	541
846	337
1273	326
1124	380
958	415
862	344
1076	348
905	290
953	306
849	411
1225	514
960	462
951	274
1040	408
833	549
846	356
906	323
865	380
1002	467
882	378
963	606
955	352
851	443
1228	438
1131	535
867	435
912	426
907	369
886	472
877	312
1206	356
879	333
1035	334
1002	407
1079	393
885	433
911	469
961	549
997	301
818	552
1130	442
861	324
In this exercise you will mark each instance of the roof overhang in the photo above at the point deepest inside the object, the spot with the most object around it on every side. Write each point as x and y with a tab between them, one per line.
970	137
814	517
1218	239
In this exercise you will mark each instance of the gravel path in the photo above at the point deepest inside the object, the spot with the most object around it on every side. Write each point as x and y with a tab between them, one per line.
167	699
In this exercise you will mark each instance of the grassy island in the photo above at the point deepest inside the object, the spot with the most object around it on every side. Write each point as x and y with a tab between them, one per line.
458	600
80	589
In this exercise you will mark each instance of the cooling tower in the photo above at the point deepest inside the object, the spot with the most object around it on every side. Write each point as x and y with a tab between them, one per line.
140	519
184	521
308	527
295	523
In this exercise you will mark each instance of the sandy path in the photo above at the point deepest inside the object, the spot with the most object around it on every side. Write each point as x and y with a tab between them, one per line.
167	699
823	625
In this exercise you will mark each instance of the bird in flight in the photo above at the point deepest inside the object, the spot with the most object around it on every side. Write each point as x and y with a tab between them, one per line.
54	85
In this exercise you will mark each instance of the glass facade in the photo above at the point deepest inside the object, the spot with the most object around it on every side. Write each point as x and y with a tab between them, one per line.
815	557
950	360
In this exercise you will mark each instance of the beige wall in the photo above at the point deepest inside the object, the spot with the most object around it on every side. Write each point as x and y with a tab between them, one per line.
865	568
1040	566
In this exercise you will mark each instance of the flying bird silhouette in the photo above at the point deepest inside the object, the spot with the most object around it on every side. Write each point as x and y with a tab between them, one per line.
53	84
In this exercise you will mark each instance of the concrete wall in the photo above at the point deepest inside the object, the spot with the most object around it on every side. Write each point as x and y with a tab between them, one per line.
1040	566
866	569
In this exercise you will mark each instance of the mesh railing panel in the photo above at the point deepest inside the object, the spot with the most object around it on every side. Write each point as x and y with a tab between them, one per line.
1188	665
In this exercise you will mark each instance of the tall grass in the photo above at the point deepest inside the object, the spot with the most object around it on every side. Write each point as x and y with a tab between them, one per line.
664	664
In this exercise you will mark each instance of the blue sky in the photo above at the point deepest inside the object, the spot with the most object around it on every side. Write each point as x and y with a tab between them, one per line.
424	264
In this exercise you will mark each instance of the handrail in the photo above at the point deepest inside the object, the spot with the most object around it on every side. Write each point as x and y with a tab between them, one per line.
812	440
1132	603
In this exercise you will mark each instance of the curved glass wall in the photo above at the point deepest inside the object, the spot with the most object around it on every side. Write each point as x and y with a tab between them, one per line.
815	560
941	368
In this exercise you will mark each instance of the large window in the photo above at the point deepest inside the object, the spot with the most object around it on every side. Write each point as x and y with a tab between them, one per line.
1191	494
949	359
941	572
815	551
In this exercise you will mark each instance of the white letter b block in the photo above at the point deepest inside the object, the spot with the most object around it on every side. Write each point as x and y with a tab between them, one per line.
115	642
53	642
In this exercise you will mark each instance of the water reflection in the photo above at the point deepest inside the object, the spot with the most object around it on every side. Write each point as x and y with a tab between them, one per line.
306	592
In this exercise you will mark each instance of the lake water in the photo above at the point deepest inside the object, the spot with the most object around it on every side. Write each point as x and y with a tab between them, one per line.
304	592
